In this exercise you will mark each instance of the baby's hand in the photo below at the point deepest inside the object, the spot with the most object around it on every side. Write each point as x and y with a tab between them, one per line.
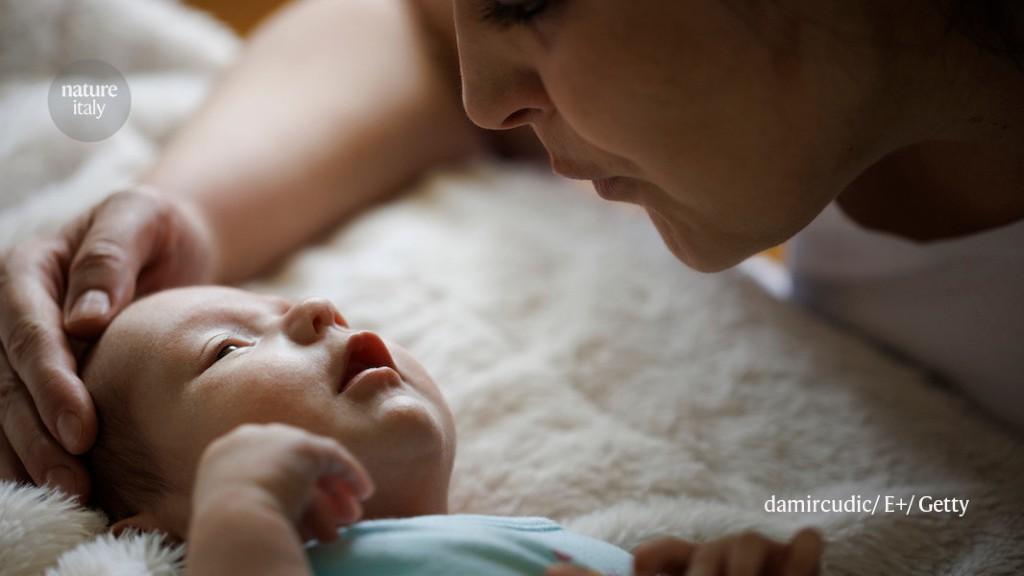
747	554
311	480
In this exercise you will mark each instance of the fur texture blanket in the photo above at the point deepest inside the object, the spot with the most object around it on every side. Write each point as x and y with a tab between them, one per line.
593	378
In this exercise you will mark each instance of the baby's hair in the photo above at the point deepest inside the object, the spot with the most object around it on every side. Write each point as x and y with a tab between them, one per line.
125	476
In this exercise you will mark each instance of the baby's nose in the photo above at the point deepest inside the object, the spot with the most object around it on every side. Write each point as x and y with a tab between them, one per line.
308	321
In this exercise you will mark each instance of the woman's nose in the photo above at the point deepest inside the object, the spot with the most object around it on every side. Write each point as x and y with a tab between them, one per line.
500	89
503	102
308	321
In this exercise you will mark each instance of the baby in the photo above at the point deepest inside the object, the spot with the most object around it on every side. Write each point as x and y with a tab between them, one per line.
248	425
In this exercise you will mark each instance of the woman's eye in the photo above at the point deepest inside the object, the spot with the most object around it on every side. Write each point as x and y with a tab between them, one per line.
507	13
225	350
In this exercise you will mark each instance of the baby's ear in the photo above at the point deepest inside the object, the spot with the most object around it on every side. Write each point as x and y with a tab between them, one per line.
143	522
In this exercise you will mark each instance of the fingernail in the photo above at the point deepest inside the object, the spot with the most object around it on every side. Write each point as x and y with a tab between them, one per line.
61	477
91	304
69	427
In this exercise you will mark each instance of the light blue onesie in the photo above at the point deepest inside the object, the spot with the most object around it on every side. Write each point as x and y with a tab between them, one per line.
457	544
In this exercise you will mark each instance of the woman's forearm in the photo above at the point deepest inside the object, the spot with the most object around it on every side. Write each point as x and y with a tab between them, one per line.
331	106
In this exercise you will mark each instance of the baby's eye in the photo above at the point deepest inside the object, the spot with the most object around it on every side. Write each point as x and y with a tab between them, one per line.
225	350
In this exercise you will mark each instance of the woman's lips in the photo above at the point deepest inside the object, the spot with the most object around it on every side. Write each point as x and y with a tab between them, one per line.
365	354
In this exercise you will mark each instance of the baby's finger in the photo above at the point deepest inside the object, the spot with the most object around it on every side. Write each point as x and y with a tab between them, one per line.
662	555
319	518
335	460
708	559
343	502
569	570
747	554
804	554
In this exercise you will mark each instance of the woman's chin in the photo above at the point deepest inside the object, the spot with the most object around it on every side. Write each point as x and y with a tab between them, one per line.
705	261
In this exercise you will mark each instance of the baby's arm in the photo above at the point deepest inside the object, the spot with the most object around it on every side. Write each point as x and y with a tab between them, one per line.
260	491
242	537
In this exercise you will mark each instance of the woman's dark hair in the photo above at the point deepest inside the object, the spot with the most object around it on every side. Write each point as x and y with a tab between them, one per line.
995	25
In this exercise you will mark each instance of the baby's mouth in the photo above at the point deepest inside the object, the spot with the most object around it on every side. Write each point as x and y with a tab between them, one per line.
364	351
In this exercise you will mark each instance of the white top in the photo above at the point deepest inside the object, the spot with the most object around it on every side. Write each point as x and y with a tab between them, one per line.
954	306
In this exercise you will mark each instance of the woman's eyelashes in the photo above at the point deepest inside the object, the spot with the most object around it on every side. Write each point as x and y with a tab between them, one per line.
506	13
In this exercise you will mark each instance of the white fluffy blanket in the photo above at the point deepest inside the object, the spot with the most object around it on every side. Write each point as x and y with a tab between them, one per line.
594	379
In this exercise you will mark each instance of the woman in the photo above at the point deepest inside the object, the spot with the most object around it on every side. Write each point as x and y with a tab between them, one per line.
733	123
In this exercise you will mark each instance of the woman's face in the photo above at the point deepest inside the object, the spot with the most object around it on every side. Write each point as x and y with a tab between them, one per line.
732	123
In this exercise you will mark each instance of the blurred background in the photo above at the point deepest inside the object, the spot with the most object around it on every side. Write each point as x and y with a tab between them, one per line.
242	16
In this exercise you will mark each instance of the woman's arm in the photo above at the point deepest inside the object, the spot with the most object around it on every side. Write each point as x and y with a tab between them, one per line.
332	105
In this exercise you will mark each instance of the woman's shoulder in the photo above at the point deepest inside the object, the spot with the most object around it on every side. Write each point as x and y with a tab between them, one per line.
952	305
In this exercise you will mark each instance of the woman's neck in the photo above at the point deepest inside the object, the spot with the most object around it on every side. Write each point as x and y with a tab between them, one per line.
952	126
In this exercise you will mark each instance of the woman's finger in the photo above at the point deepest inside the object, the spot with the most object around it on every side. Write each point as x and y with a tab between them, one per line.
10	464
118	238
11	467
666	554
44	460
37	352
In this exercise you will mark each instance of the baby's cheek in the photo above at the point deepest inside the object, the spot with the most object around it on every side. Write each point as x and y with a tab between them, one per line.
255	394
279	397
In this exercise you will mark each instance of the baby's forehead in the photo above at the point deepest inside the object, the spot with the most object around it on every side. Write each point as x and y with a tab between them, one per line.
183	307
150	324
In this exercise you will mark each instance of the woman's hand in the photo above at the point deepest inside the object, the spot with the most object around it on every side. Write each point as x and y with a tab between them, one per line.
312	481
747	554
132	243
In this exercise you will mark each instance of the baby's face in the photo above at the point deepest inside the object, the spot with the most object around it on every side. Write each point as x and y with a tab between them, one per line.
194	363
